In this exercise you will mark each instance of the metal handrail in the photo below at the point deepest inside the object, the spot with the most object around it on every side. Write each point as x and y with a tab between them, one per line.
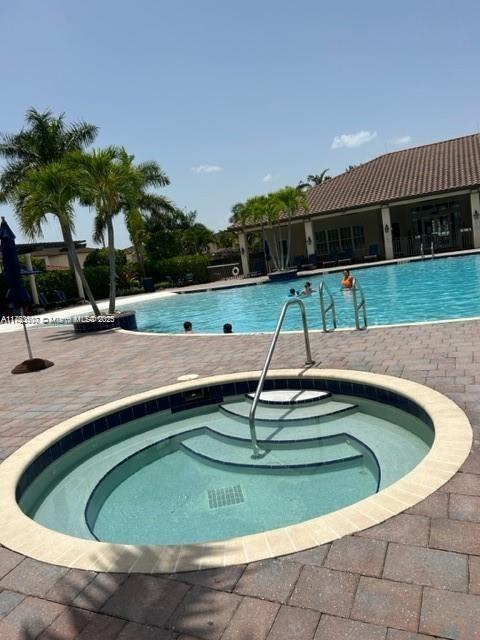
268	359
323	288
359	305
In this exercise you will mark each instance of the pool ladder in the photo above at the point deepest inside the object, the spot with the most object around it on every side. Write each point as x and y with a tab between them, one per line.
328	306
266	366
359	305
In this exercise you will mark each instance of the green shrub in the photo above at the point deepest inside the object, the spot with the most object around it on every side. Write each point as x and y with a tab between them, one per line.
162	285
97	277
48	281
178	267
130	292
99	257
99	280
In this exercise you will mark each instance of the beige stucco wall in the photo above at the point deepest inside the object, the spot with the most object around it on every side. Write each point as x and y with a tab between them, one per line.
60	260
370	220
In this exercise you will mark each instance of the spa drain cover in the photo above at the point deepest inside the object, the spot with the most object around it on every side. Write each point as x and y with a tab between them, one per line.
225	497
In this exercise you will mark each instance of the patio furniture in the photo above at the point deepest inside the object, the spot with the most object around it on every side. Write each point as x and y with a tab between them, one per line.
372	253
346	257
62	298
331	260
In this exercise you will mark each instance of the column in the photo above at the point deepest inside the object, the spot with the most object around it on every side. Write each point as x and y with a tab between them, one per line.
387	233
475	212
309	238
33	284
242	241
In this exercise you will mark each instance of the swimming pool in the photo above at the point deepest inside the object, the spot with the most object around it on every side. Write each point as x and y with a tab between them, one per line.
439	289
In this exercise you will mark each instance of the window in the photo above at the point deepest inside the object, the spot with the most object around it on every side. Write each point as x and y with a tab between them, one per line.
330	240
321	244
333	239
358	236
346	237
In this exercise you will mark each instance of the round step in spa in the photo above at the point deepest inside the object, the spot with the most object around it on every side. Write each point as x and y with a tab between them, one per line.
290	396
326	410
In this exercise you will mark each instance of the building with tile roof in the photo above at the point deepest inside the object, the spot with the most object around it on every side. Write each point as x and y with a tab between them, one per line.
397	205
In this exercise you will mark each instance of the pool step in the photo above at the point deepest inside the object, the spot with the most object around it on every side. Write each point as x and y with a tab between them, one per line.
326	410
230	428
290	396
206	447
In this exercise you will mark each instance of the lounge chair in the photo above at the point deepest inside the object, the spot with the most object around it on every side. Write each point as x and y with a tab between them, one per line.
372	253
346	257
298	261
45	303
62	298
331	260
311	264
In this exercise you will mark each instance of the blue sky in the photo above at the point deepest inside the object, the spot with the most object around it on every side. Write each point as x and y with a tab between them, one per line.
239	98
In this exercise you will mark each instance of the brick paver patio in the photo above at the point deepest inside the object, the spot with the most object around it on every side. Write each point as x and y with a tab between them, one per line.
415	577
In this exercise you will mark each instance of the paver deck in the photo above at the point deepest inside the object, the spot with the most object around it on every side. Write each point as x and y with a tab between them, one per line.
415	577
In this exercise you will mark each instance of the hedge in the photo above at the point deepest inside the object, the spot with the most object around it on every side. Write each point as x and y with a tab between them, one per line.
98	279
177	268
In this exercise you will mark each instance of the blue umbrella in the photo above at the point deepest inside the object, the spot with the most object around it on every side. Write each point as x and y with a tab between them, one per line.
17	295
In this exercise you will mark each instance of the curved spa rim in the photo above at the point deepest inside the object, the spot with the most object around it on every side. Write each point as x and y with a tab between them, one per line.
451	445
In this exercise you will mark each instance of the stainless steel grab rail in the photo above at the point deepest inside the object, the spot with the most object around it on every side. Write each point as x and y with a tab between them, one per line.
268	359
325	308
359	305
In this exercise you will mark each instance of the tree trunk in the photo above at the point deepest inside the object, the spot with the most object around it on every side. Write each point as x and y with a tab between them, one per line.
72	253
112	265
140	259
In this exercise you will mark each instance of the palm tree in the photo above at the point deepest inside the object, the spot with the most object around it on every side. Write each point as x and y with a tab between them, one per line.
112	183
51	189
291	200
237	215
45	138
144	203
107	180
314	179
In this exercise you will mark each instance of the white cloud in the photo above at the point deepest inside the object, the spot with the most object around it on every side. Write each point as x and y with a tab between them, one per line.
207	168
267	178
401	140
353	139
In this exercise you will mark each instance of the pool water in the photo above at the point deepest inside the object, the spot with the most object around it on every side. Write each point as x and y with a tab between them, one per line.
174	489
439	289
190	477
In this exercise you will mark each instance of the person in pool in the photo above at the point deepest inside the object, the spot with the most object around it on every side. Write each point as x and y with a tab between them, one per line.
227	328
292	293
187	327
347	281
307	289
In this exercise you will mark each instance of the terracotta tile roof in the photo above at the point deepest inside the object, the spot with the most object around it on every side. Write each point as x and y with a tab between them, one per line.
430	169
433	168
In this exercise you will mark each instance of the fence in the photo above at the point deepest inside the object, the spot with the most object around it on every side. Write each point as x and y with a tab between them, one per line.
442	242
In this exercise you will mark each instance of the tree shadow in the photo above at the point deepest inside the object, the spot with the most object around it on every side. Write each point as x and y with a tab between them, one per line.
141	606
